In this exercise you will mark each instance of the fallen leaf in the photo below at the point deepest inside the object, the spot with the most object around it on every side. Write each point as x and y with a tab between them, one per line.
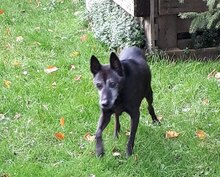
19	39
54	84
75	54
211	74
7	84
127	133
200	134
89	137
5	175
159	117
205	101
17	116
50	30
72	67
171	134
59	136
217	76
16	63
62	121
1	11
25	72
84	37
116	154
50	69
77	78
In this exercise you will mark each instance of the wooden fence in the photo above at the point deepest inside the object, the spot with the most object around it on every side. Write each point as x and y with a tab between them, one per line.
164	29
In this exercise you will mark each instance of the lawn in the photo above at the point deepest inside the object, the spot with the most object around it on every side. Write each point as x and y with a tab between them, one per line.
44	34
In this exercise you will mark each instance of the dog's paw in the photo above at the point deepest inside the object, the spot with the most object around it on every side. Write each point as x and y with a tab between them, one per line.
100	151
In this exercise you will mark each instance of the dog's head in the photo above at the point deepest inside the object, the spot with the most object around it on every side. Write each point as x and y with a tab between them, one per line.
108	79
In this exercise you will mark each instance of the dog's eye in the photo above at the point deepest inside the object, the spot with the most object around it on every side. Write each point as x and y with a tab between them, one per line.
112	84
99	85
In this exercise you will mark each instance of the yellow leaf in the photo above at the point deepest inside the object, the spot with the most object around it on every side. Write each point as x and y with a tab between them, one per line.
77	78
200	134
75	54
62	121
50	69
16	63
59	136
171	134
7	84
89	137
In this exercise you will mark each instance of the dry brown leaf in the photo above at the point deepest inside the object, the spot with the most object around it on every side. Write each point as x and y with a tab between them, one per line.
84	37
89	137
205	101
200	134
59	136
17	116
62	121
16	63
171	134
77	78
50	69
2	11
7	84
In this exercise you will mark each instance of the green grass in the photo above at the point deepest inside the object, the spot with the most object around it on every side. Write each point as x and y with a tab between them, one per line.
32	107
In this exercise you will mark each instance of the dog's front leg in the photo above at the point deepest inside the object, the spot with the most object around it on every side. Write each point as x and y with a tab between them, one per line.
134	125
103	122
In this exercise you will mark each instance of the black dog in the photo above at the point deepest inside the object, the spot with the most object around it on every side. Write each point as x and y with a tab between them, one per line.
122	85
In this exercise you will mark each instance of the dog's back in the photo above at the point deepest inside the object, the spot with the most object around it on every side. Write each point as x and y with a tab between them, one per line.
137	73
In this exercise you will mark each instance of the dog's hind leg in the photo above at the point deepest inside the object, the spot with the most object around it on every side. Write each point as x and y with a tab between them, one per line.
117	126
149	98
134	125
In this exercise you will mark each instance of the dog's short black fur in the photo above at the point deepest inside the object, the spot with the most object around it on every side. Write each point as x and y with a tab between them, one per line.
122	85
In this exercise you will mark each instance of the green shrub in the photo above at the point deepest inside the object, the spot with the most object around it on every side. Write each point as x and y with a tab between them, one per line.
113	26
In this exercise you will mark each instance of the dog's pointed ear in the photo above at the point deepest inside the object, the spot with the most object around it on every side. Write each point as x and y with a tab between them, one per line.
95	66
116	64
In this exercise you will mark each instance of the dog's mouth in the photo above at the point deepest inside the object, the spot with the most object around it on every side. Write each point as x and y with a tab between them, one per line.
106	105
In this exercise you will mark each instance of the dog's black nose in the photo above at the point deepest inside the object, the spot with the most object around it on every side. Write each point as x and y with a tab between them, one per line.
105	103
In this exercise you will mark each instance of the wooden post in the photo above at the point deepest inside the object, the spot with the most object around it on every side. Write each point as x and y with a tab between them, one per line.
149	27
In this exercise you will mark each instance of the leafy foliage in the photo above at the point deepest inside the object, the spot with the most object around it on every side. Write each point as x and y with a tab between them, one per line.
113	26
209	19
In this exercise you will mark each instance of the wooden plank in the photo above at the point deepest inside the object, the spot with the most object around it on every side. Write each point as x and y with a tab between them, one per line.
212	53
137	8
183	25
149	27
167	32
175	7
